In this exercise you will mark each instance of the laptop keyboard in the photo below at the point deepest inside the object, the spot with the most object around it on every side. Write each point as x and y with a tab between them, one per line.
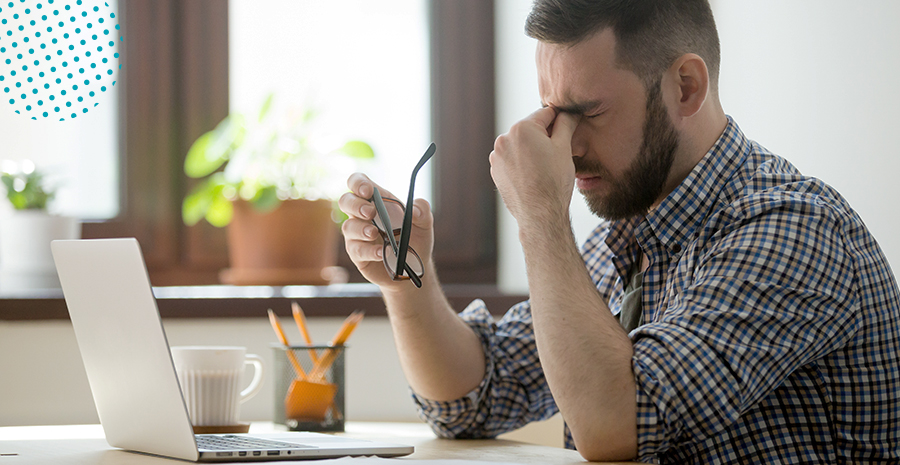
230	442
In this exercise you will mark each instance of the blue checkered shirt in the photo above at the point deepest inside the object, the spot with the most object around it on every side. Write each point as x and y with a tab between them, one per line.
771	324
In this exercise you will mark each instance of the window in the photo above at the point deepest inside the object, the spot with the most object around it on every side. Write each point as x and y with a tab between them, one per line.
361	65
78	156
176	86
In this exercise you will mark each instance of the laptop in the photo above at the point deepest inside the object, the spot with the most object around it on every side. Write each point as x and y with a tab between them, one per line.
132	376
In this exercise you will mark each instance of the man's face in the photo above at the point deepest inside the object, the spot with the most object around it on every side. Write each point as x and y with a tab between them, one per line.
625	143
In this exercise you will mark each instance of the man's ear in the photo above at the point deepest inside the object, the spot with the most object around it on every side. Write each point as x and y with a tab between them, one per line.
690	79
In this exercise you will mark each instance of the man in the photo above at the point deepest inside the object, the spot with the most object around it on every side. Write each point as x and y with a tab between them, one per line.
728	309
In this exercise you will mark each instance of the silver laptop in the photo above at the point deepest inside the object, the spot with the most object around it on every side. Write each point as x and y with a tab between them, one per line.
130	370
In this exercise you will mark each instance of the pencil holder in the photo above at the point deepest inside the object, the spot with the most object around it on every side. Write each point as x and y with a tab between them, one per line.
309	387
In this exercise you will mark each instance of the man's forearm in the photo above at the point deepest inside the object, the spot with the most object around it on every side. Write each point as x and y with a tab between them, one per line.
441	356
585	354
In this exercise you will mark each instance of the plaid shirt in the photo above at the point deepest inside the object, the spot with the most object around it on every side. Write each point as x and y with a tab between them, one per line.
771	325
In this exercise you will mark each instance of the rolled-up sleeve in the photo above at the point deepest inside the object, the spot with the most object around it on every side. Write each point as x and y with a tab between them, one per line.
513	391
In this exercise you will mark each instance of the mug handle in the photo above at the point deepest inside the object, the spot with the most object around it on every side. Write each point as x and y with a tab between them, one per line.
256	383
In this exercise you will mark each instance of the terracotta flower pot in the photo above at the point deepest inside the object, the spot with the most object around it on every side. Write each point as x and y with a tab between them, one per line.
294	244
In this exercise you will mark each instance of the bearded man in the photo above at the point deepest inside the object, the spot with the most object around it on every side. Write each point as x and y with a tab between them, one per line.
727	309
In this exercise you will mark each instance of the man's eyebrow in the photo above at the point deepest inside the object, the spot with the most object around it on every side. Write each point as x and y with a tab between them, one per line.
576	108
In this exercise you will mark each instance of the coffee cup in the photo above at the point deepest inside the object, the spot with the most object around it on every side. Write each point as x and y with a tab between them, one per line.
210	378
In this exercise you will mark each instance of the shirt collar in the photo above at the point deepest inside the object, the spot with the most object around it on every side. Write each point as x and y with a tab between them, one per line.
684	210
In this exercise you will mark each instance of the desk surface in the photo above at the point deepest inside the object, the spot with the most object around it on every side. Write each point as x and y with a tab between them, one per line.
85	444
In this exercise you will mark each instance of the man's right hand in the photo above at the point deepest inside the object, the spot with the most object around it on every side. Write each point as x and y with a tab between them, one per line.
440	354
365	245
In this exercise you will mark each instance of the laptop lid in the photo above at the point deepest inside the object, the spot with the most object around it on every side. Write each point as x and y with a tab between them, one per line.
128	364
123	346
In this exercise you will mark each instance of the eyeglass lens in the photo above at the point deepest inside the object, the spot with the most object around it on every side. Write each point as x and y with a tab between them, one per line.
413	262
394	212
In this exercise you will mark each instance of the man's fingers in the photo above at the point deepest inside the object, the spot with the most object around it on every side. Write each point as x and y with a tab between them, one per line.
362	251
357	202
362	240
355	206
544	117
360	230
422	217
361	185
564	126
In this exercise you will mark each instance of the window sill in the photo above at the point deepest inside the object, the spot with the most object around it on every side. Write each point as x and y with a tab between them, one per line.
253	301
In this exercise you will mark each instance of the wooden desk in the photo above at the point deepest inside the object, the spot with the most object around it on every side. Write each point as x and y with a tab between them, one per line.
85	445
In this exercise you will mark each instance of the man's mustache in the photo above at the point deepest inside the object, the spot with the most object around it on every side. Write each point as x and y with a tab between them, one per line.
588	167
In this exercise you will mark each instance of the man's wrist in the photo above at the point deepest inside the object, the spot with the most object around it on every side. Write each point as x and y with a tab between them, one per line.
399	295
539	228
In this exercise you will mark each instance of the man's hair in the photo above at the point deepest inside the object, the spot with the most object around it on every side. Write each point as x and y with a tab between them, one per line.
650	34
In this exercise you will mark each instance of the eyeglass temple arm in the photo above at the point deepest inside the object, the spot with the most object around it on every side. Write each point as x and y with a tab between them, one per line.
407	216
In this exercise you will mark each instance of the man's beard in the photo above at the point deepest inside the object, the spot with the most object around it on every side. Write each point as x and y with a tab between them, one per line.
640	186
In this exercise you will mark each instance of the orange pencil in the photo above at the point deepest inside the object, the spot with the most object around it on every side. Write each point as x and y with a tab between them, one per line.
346	329
276	325
300	318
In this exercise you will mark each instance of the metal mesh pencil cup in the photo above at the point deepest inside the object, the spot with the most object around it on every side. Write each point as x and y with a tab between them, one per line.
314	402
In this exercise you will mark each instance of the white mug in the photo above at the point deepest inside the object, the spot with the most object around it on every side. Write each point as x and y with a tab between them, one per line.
210	379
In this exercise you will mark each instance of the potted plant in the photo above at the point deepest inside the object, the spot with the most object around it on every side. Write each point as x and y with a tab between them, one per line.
26	230
266	178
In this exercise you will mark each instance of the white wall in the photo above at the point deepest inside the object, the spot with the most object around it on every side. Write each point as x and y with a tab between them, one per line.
814	81
42	379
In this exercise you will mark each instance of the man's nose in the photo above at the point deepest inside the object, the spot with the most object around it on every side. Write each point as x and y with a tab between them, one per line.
579	142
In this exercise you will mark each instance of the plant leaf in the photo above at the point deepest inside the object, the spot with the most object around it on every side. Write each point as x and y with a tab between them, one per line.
200	200
358	149
200	160
266	199
267	104
220	211
195	206
19	201
8	180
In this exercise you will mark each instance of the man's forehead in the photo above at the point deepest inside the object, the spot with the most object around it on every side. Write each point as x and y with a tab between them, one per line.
582	75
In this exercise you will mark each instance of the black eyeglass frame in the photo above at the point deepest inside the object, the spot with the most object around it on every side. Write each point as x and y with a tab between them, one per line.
389	236
401	249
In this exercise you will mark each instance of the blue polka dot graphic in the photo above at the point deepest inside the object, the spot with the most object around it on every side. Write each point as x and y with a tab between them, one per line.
58	58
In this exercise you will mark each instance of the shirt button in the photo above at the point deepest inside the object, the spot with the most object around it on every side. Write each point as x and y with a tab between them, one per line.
676	248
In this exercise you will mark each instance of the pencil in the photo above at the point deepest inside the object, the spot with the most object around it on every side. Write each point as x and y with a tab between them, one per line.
276	325
346	329
300	318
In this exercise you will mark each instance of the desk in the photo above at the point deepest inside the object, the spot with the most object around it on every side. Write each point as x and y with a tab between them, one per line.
85	445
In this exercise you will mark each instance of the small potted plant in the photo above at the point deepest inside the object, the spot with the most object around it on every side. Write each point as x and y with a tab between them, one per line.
27	229
266	178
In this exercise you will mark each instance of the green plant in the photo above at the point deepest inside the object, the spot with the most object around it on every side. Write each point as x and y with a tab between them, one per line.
25	186
264	160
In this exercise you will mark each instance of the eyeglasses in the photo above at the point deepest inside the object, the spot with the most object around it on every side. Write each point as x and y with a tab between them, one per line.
388	212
